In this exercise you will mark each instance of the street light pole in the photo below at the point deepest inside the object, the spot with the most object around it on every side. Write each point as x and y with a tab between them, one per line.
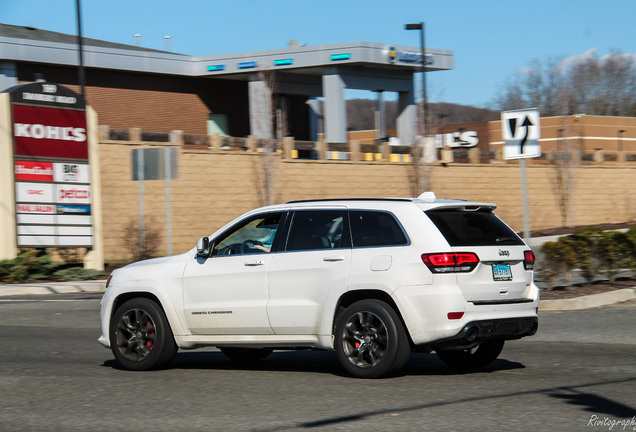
421	27
80	49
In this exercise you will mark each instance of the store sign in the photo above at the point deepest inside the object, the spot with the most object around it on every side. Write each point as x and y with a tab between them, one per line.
34	171
464	139
49	132
34	192
52	171
394	55
36	209
70	173
73	209
73	194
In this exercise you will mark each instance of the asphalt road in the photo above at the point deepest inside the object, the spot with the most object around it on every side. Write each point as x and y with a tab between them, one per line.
578	373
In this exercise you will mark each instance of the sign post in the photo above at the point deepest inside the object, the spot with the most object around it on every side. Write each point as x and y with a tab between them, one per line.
521	133
155	164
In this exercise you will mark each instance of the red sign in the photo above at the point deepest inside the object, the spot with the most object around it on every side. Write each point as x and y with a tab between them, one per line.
37	171
49	132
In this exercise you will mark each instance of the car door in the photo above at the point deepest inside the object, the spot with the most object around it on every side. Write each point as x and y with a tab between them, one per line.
227	292
314	265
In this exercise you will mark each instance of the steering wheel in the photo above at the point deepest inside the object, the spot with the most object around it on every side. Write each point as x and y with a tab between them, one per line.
248	246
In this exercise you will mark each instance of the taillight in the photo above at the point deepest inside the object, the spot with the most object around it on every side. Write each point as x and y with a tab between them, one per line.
451	262
528	260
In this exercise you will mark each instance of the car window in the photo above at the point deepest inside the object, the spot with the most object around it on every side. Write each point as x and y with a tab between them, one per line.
254	235
473	228
317	229
375	228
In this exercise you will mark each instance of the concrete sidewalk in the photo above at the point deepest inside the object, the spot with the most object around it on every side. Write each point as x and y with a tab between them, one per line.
583	302
40	288
589	301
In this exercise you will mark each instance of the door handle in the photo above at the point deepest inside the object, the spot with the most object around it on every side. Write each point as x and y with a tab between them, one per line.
254	263
334	258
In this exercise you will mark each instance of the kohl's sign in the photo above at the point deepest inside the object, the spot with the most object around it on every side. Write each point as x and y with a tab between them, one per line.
49	132
460	139
52	172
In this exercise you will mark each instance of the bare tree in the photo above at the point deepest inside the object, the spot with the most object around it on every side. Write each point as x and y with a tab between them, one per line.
591	85
270	114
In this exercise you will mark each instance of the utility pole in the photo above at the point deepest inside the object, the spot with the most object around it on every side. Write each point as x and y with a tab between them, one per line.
82	80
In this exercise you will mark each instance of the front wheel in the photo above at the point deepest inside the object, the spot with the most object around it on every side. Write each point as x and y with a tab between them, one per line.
140	335
475	358
370	340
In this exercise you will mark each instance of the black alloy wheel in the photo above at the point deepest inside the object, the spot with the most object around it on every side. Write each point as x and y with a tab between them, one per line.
370	340
140	335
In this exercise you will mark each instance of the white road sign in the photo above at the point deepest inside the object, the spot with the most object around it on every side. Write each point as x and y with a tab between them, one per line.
521	132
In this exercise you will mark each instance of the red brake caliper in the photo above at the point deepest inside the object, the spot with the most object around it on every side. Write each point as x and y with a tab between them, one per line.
149	344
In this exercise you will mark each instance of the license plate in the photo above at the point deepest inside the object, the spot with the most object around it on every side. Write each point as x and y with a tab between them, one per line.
501	272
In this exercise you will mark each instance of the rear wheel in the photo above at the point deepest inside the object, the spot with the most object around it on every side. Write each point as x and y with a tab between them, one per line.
370	340
246	354
140	335
475	358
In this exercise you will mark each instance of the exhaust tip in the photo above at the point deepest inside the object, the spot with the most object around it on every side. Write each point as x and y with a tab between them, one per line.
533	329
472	334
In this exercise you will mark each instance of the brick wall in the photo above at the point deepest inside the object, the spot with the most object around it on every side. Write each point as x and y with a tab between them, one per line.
216	186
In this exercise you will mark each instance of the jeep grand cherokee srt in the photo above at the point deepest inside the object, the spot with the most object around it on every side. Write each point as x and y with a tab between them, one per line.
372	279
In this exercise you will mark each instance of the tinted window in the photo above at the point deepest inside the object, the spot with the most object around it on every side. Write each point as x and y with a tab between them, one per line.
374	228
319	229
254	235
473	228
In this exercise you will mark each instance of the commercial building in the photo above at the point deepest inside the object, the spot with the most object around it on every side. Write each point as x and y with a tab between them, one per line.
160	91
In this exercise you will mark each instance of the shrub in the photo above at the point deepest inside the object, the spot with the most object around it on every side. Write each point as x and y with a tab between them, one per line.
558	259
617	252
78	273
587	244
26	266
132	239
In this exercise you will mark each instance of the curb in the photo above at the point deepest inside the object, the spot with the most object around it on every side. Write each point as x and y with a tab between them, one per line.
53	288
588	301
99	286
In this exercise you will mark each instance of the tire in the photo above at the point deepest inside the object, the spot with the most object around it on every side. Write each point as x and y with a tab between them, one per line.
478	357
140	335
246	354
370	340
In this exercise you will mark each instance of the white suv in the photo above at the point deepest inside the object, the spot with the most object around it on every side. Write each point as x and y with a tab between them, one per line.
372	279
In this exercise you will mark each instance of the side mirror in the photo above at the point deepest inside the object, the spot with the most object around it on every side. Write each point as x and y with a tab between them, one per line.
203	247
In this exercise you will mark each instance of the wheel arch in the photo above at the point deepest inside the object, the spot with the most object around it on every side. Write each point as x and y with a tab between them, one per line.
171	316
350	297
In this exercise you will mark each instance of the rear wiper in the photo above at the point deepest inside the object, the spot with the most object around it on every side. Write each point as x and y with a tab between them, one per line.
504	239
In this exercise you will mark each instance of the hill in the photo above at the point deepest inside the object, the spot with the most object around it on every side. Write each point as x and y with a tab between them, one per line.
361	114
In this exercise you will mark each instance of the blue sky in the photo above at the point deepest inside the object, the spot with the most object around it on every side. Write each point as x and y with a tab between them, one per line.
492	39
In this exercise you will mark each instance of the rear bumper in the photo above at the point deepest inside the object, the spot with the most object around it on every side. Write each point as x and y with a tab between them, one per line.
476	332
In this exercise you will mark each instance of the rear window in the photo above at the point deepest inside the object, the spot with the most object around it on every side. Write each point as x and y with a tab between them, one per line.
473	228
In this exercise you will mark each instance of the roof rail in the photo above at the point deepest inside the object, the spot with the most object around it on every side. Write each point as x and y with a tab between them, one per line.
351	199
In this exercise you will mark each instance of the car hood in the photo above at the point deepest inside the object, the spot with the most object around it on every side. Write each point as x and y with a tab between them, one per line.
151	261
